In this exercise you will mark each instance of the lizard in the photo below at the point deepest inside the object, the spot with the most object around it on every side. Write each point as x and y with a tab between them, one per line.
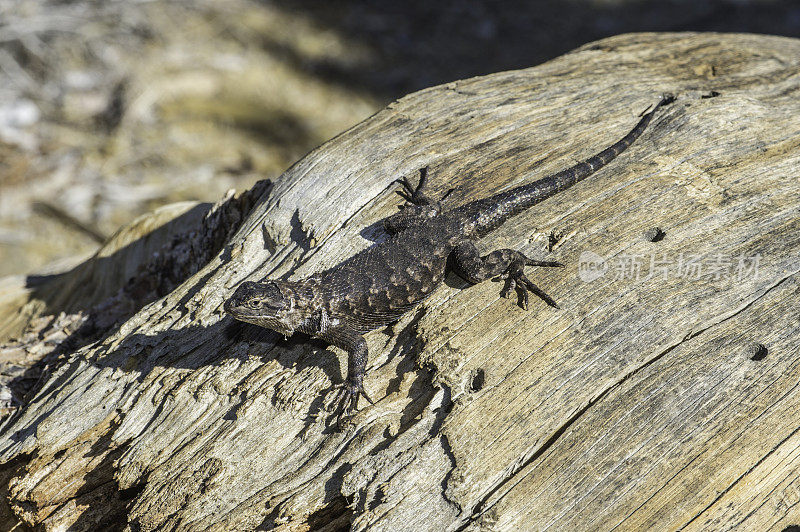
378	285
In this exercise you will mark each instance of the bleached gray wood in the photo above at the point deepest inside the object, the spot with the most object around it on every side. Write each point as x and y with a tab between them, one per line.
643	403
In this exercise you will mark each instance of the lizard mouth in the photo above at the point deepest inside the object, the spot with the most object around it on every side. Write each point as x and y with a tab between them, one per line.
240	312
249	315
235	310
269	323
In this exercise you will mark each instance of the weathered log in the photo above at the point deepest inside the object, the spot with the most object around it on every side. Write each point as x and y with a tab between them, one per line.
663	394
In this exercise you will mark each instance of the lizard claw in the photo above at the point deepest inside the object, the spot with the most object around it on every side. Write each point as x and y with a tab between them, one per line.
408	189
527	286
516	279
345	402
418	195
415	195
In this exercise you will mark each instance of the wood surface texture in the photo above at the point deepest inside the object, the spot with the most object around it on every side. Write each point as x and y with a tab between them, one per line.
662	399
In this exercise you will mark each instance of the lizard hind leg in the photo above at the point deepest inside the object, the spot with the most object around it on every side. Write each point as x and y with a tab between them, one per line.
508	264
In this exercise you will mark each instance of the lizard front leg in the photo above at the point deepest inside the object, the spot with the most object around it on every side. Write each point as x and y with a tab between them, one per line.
417	195
421	206
506	263
346	399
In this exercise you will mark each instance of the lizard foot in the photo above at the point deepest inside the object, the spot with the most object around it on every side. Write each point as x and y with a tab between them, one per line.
345	402
418	195
516	279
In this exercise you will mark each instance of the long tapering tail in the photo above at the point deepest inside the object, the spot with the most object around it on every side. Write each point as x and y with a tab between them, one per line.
492	212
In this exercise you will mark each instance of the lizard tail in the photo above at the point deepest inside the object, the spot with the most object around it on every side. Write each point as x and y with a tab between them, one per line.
499	208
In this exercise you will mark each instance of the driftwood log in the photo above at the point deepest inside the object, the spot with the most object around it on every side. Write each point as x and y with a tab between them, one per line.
663	394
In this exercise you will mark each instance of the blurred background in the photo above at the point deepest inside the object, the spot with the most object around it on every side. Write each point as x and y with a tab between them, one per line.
109	109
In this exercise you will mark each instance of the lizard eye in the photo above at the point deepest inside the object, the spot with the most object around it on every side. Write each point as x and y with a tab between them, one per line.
254	303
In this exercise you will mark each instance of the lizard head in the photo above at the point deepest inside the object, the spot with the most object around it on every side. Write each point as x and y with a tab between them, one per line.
270	304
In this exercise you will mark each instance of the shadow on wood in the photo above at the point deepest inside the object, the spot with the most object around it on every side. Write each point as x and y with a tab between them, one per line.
662	395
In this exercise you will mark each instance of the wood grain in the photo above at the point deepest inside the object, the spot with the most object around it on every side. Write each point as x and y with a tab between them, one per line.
655	398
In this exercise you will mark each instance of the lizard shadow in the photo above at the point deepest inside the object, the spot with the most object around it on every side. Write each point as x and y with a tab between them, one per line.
198	346
375	232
